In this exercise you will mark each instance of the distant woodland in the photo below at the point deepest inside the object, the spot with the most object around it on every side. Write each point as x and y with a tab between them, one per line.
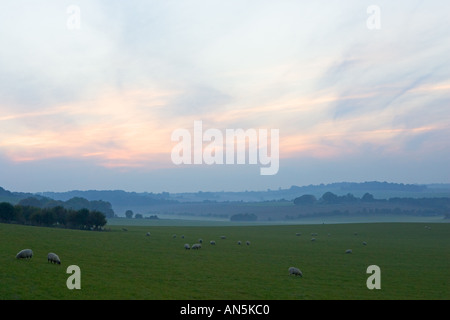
337	199
76	203
308	206
52	217
75	213
43	202
331	204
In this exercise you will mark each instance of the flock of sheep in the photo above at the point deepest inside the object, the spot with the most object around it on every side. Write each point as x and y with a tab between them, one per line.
198	245
212	242
292	270
28	254
54	258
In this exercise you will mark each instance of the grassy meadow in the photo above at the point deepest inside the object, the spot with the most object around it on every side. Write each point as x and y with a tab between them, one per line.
116	264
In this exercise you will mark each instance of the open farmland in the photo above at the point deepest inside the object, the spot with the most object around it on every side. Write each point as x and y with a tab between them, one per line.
414	262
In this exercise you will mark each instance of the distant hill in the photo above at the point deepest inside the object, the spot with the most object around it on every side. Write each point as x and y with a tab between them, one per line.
40	201
146	202
119	199
380	190
15	197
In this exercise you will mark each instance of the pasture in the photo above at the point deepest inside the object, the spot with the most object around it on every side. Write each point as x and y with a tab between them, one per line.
414	262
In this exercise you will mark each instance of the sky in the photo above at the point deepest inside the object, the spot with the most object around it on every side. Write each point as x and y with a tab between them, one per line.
91	92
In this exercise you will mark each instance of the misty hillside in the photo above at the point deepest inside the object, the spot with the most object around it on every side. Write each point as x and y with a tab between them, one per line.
271	204
380	190
42	202
166	202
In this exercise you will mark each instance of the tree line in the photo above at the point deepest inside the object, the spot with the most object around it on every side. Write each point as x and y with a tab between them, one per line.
438	205
52	217
75	203
331	198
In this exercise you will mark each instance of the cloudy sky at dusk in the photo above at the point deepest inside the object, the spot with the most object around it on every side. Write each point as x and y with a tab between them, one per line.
91	91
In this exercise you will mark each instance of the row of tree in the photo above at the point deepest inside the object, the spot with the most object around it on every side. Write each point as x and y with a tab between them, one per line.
129	214
75	203
438	205
367	211
51	217
331	198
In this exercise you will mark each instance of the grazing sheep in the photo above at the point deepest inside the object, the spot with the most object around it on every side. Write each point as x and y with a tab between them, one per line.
174	236
298	234
348	251
313	239
187	247
239	242
148	234
200	240
295	271
212	242
196	246
314	234
53	258
25	254
223	237
182	236
124	229
247	242
364	243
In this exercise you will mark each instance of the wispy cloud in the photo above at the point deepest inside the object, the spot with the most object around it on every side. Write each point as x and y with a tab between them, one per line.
113	91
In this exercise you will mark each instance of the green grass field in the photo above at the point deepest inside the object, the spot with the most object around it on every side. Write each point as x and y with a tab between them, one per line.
414	262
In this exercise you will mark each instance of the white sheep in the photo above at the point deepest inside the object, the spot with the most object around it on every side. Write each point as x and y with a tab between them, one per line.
187	247
295	271
223	237
53	258
148	234
313	239
196	246
25	254
364	243
348	251
212	242
200	240
239	242
298	234
247	242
